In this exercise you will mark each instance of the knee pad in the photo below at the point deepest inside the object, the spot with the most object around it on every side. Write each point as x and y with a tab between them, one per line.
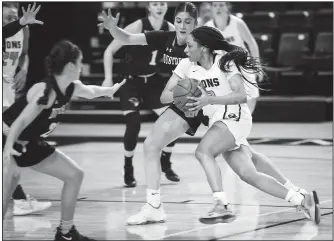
132	121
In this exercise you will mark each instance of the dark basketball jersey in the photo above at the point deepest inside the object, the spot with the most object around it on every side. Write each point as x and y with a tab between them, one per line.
143	59
172	53
46	121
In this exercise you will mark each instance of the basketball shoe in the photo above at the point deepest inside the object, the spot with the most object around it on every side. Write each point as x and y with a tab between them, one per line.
148	214
72	235
28	206
311	207
220	213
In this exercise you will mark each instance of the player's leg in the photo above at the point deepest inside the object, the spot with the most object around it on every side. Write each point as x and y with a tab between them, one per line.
265	165
62	167
24	204
10	179
154	87
130	101
240	162
216	140
167	128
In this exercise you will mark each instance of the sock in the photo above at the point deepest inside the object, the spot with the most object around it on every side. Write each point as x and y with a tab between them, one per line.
289	186
153	197
221	196
295	198
19	193
65	226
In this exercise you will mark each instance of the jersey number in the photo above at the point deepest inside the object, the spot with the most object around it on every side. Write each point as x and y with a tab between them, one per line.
154	57
10	55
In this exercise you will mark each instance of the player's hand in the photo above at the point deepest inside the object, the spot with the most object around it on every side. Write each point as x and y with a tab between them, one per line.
29	16
10	151
115	88
200	102
107	83
19	80
108	21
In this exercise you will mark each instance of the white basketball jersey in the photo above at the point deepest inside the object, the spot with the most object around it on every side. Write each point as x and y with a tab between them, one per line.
216	83
231	32
14	47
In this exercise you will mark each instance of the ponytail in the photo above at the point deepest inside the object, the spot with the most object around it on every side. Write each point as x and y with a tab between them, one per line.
243	61
213	39
48	80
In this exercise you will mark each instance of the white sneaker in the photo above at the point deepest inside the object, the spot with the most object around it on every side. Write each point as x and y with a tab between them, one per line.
148	214
311	207
28	206
219	213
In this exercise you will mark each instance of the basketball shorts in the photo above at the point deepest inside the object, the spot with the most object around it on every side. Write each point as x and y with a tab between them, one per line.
142	92
193	123
36	152
239	129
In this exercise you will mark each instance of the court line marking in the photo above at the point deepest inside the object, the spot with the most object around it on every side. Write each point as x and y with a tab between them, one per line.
244	218
86	199
267	226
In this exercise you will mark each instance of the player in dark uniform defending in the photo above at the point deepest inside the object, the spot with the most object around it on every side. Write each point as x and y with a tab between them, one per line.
32	117
167	127
143	88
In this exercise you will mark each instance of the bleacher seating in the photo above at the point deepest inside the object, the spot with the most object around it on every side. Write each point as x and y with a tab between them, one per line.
293	35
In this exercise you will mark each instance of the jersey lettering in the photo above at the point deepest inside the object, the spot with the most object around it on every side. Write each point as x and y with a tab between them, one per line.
210	82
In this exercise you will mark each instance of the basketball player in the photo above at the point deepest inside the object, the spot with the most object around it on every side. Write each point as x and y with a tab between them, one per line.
173	123
236	32
15	68
143	87
205	13
230	120
33	116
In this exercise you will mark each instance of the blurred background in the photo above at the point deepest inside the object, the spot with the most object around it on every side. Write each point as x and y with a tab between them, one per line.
294	38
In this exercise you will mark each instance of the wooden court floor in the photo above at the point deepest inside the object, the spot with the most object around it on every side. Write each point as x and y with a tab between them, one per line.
104	204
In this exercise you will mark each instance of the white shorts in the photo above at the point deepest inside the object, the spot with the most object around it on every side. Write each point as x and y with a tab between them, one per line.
8	94
239	129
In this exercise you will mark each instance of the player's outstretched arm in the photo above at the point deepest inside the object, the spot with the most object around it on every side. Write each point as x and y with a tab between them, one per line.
110	23
94	91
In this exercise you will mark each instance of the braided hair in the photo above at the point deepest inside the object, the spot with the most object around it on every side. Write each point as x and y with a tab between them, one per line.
62	53
213	39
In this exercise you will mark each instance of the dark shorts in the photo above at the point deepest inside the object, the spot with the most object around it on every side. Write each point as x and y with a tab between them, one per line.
194	122
36	152
142	93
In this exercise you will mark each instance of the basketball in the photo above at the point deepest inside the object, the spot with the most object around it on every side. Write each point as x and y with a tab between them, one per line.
186	87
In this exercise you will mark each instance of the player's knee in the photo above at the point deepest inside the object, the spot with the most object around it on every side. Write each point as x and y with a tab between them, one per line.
132	120
16	174
202	153
152	146
75	176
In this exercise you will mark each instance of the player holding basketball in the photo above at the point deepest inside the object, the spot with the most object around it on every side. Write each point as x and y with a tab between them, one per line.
15	68
33	116
230	120
173	123
143	87
236	32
